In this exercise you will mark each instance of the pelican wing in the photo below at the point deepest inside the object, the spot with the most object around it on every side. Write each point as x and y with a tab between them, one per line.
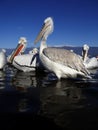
65	57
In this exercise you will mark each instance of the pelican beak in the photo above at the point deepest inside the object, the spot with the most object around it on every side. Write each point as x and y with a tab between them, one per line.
16	52
47	28
41	33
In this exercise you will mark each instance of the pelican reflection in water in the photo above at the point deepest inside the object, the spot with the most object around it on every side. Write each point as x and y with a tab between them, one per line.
23	81
63	63
2	79
28	94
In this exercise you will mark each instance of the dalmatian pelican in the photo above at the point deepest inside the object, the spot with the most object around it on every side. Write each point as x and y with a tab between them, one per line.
24	62
63	63
90	63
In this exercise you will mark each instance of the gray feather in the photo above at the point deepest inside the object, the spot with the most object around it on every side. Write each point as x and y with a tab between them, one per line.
65	57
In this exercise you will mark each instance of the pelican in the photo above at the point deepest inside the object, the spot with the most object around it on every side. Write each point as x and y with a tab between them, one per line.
3	59
63	63
90	63
18	50
27	62
24	62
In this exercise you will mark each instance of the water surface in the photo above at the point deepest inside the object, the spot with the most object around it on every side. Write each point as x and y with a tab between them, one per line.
38	99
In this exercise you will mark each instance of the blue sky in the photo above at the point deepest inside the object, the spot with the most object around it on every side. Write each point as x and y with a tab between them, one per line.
75	21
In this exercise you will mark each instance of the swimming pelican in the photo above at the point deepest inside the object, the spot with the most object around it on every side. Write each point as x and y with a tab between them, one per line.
63	63
18	50
3	59
90	63
27	62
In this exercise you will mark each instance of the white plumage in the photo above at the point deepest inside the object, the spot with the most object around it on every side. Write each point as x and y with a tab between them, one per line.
90	63
63	63
27	62
3	58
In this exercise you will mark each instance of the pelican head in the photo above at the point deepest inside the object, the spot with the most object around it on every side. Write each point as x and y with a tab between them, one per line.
85	47
47	29
22	40
34	51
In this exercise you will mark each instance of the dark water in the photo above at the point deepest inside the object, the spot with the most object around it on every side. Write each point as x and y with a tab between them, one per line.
36	99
